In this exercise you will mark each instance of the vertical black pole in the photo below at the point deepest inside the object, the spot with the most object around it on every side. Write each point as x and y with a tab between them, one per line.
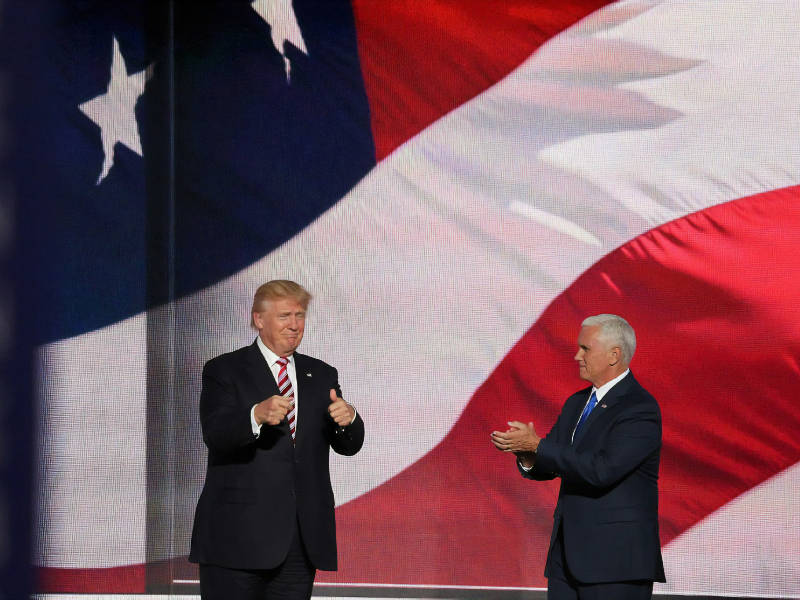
20	23
160	169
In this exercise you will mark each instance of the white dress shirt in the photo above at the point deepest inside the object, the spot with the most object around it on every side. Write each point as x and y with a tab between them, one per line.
599	392
272	361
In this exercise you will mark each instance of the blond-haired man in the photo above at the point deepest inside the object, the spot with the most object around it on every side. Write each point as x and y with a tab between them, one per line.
265	519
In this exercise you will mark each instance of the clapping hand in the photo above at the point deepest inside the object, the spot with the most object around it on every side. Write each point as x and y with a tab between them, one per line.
520	439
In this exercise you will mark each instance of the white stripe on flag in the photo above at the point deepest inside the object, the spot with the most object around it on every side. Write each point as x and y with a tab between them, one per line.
427	266
752	543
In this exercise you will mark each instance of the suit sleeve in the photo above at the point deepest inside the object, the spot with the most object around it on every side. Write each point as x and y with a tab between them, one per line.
634	437
225	423
346	441
537	472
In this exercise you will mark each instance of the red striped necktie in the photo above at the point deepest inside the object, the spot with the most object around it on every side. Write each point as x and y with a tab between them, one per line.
285	387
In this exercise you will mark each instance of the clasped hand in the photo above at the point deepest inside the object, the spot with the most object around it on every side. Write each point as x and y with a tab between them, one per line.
273	410
520	439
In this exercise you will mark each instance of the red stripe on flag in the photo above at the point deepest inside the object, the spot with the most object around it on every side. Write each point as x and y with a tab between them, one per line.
714	300
421	59
130	579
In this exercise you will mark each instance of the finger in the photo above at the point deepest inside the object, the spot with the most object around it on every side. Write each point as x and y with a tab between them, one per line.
518	425
343	418
506	447
334	397
502	445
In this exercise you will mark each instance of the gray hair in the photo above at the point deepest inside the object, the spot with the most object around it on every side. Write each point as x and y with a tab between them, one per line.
614	331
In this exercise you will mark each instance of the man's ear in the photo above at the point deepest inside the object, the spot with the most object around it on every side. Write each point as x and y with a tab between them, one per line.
257	321
616	355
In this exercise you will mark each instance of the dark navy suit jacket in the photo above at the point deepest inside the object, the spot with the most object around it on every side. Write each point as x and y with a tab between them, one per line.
255	488
608	502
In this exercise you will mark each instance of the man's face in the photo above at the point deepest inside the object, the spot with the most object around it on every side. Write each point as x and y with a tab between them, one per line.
595	361
281	325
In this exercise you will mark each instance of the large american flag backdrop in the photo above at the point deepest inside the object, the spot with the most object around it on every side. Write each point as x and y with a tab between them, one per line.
459	183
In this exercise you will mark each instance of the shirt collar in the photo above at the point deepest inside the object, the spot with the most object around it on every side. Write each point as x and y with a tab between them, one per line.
269	355
605	388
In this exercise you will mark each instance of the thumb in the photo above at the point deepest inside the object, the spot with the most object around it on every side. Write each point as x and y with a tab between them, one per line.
334	398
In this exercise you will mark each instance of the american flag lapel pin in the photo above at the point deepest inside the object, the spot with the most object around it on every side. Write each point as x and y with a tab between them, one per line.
603	406
308	374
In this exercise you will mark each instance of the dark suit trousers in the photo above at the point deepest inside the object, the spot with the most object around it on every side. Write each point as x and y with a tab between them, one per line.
561	585
292	580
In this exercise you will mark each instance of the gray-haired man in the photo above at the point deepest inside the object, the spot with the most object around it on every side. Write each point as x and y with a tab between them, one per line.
605	447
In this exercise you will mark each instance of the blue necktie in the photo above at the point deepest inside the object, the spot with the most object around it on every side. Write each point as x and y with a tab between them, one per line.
586	412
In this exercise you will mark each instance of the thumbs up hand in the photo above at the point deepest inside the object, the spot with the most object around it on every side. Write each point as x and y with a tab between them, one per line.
340	411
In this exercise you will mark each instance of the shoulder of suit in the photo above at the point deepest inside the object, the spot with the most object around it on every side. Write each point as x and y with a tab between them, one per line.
636	395
583	392
637	389
311	362
228	358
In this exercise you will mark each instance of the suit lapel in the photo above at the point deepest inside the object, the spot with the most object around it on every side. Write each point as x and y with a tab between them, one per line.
305	394
259	370
611	398
581	398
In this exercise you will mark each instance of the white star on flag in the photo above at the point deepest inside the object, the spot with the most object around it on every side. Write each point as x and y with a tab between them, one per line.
115	111
281	18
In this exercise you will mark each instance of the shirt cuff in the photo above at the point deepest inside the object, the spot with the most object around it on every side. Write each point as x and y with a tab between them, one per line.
256	427
355	412
523	467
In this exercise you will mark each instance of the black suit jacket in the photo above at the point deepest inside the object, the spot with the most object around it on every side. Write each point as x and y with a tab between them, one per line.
255	488
608	502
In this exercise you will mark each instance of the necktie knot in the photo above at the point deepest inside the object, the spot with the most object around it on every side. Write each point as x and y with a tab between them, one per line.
283	361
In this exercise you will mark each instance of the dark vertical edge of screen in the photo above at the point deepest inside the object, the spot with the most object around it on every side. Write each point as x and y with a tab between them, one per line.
20	23
159	173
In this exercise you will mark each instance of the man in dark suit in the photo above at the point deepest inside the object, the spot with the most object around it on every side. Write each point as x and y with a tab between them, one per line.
605	446
265	520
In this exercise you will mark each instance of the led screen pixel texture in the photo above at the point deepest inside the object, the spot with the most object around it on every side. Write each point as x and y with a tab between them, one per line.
457	204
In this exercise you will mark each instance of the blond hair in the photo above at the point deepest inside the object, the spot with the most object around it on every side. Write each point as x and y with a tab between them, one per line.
278	289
